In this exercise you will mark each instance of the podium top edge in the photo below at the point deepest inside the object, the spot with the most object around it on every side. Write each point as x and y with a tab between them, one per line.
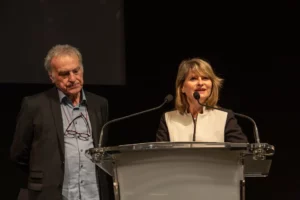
176	145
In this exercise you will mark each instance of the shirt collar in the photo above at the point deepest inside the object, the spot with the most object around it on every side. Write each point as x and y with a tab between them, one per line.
205	111
63	97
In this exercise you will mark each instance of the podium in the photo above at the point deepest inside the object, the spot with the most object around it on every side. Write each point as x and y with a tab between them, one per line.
182	170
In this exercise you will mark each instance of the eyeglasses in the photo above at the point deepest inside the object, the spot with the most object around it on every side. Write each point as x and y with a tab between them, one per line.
74	133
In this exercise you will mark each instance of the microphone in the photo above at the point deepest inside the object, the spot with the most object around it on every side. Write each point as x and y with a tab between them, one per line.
259	152
167	99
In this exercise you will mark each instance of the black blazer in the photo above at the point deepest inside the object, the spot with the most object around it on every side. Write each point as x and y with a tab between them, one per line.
38	145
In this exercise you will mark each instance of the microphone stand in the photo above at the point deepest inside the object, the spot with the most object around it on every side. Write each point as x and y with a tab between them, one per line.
168	98
258	151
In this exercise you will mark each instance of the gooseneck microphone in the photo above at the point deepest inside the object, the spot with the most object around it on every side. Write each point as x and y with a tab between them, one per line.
256	135
258	152
167	99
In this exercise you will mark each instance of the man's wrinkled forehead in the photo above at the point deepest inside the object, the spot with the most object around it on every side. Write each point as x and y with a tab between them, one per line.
66	58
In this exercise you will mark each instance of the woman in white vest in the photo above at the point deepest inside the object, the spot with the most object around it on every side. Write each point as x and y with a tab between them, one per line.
196	86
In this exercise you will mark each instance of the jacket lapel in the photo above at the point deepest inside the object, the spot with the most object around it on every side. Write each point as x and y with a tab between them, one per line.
92	110
93	120
56	113
57	117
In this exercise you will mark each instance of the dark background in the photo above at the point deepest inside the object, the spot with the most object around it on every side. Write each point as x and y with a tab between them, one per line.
253	46
30	28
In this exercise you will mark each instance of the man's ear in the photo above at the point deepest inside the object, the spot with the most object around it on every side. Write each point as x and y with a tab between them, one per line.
51	77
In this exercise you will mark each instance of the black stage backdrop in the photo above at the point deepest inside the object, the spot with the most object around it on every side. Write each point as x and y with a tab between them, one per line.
254	47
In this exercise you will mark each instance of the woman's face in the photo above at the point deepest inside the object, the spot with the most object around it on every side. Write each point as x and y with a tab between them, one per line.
195	82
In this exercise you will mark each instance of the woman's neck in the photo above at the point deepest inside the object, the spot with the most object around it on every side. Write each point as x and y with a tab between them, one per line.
195	109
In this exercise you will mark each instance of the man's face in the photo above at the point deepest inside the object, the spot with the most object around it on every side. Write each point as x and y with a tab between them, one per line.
67	74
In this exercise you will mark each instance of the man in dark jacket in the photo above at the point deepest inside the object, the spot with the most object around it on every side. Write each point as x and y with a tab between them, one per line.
55	127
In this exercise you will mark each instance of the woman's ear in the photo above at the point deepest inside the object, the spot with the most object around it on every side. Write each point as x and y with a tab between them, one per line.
182	90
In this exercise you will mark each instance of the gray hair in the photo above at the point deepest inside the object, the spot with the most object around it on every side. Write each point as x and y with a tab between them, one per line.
60	50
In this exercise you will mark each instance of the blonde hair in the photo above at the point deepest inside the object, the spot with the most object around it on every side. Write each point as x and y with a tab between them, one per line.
61	50
198	66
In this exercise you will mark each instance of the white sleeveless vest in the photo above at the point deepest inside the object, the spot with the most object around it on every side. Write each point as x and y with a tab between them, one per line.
209	126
